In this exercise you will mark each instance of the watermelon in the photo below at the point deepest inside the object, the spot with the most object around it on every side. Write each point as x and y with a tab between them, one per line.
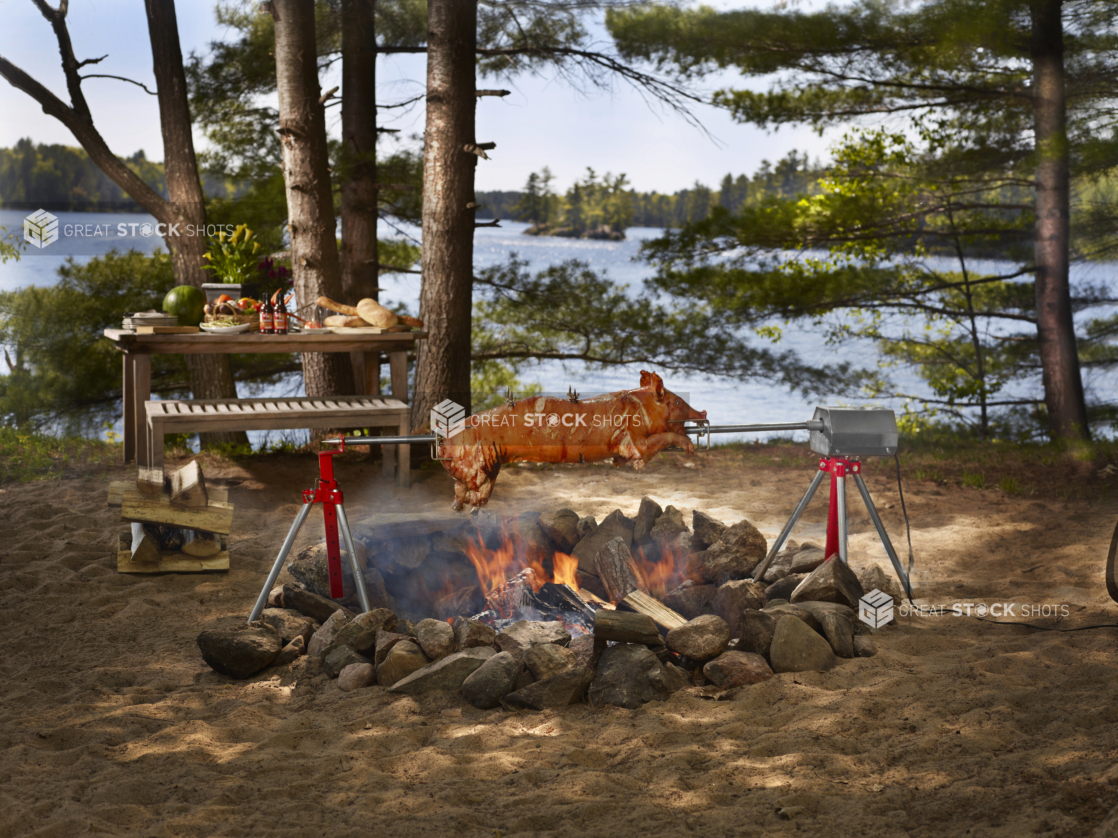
187	303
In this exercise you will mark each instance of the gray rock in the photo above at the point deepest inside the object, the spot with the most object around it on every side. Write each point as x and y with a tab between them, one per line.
339	658
796	648
668	527
832	581
737	669
779	567
864	646
564	689
525	633
778	611
777	601
360	633
700	639
707	531
405	627
677	679
446	674
807	558
524	678
561	527
818	609
548	660
740	549
586	527
318	608
583	649
782	588
436	638
327	635
239	651
311	569
385	641
839	631
492	681
692	600
532	541
295	649
357	675
469	634
275	597
874	577
615	525
757	629
289	623
404	658
646	517
629	675
736	596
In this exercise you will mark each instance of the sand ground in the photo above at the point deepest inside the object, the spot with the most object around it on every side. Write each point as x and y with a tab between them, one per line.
111	723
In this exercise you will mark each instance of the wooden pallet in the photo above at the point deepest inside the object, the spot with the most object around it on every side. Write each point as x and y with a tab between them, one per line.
174	562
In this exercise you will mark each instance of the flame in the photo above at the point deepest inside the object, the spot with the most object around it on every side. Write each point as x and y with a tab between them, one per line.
663	576
566	570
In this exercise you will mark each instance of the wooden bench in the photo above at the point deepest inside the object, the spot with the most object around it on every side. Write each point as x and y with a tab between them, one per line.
342	412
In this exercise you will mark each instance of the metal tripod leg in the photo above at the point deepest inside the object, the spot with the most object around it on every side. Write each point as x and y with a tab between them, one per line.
354	565
884	535
759	571
278	566
843	523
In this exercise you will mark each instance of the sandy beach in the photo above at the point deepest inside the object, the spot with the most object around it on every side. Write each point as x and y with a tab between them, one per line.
111	723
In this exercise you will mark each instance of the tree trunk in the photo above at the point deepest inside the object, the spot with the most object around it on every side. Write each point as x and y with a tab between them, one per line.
310	209
1063	386
359	135
445	302
210	375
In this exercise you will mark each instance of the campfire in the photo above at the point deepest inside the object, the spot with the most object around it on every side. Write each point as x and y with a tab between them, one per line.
548	609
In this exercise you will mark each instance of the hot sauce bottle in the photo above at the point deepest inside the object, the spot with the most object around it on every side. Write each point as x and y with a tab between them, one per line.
266	311
279	315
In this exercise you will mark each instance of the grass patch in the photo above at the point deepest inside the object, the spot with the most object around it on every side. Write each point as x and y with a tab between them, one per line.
1010	485
974	479
26	456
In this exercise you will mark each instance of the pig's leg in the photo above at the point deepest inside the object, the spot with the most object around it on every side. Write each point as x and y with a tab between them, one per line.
656	443
459	496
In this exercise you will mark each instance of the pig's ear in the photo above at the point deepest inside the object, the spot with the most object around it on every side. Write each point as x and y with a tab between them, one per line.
646	378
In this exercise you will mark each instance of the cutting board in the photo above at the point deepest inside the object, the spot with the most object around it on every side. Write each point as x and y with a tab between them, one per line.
166	330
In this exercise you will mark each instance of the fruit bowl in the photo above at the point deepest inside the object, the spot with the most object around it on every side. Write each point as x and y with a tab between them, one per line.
225	330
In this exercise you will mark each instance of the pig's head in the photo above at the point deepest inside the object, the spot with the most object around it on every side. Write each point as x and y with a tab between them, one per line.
678	410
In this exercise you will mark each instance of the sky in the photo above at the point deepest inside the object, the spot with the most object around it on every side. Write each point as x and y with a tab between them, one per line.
545	122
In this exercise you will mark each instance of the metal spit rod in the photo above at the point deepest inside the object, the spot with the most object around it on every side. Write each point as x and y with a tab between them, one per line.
696	430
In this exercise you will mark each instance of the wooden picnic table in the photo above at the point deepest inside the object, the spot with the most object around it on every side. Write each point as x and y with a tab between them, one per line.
365	349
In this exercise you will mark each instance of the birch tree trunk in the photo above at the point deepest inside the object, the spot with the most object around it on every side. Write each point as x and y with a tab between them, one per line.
446	298
310	209
1063	386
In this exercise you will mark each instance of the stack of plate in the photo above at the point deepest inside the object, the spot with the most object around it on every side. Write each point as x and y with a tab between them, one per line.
149	318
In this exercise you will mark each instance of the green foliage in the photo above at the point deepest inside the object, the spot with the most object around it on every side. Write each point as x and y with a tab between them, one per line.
64	178
10	246
491	381
29	456
233	258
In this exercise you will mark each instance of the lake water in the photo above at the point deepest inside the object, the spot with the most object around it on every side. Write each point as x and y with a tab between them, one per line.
726	401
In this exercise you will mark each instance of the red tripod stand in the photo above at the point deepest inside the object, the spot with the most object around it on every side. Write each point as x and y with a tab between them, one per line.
326	492
838	526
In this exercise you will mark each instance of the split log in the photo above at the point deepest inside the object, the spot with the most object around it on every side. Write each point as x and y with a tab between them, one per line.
663	616
145	544
117	488
188	486
616	569
157	509
201	544
626	627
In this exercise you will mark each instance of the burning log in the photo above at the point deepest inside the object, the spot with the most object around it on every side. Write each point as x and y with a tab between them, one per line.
616	569
513	596
626	627
663	616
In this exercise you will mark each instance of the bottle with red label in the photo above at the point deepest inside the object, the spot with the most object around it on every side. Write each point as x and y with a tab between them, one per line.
266	312
279	315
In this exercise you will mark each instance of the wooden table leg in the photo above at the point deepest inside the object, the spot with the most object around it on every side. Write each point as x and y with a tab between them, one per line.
398	370
371	369
128	399
141	392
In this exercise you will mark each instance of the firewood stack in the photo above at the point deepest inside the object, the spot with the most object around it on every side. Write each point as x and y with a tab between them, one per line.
180	529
